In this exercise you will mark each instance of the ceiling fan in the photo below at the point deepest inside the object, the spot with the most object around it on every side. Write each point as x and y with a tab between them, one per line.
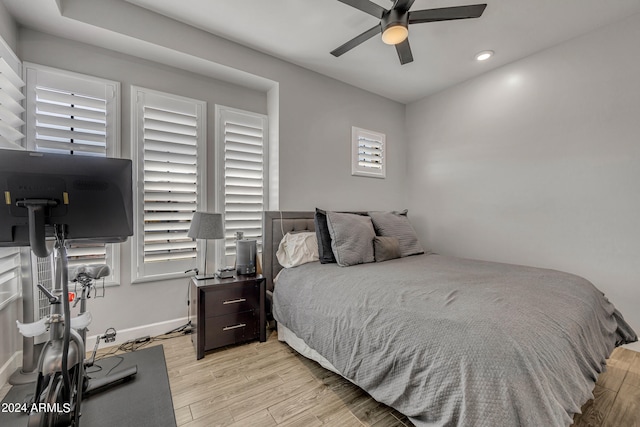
394	23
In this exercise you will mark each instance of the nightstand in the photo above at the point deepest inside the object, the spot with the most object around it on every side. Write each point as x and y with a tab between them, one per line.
227	311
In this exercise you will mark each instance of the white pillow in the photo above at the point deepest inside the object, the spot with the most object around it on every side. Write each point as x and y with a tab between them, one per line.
297	249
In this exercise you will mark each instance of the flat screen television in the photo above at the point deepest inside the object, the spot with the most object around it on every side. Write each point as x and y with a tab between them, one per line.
91	197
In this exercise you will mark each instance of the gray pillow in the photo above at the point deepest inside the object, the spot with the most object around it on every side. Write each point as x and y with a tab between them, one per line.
396	224
386	248
351	238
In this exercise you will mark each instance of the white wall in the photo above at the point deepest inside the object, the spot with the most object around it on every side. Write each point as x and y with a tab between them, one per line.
8	28
317	114
538	163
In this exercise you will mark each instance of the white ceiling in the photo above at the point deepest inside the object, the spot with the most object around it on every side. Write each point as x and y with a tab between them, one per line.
305	31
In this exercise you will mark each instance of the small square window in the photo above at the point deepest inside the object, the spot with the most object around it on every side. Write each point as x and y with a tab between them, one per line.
368	153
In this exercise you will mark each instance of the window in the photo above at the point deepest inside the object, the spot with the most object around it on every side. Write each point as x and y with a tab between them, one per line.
9	275
169	137
242	152
10	137
10	99
75	114
367	153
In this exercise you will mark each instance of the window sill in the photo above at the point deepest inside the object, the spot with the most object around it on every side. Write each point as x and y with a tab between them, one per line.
161	277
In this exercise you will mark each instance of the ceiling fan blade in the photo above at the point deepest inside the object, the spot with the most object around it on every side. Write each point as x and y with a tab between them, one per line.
366	6
446	13
356	41
403	4
404	52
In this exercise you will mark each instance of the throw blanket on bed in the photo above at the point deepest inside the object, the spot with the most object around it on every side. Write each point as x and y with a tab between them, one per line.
457	342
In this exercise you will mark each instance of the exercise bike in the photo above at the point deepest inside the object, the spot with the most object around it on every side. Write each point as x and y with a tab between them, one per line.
59	386
62	377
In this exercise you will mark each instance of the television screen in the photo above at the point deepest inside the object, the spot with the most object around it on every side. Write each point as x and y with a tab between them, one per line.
90	196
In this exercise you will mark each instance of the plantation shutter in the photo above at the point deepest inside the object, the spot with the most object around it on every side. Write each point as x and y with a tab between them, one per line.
10	105
71	113
75	114
43	269
243	174
170	145
368	153
10	137
9	275
69	122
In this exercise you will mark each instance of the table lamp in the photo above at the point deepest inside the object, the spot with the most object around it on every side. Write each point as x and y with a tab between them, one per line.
205	225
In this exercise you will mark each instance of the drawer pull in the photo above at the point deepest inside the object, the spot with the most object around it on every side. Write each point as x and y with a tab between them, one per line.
239	325
235	301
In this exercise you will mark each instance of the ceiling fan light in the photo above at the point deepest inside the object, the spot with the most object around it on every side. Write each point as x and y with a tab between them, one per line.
395	34
484	55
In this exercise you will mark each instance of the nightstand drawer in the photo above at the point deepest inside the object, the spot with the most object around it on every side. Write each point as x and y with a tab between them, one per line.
230	329
232	299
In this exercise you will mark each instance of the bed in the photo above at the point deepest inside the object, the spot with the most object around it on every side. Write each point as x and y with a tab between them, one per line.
448	341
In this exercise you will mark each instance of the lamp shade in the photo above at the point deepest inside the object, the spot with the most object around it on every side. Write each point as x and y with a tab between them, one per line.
205	225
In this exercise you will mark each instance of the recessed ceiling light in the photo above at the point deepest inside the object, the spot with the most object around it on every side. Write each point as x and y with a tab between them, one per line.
484	55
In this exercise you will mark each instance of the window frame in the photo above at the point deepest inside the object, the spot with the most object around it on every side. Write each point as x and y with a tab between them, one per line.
64	80
378	137
10	279
10	258
140	273
11	72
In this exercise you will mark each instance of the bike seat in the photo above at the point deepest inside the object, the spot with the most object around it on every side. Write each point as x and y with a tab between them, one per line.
92	271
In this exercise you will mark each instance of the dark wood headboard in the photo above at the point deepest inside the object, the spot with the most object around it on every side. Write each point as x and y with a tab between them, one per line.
275	224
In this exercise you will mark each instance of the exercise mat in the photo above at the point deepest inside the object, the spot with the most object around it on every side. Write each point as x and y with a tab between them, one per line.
144	400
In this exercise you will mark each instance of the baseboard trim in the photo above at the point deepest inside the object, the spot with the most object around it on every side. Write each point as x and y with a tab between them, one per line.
635	346
10	367
151	330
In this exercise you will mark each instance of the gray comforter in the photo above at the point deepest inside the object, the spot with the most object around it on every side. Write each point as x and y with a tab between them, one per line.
457	342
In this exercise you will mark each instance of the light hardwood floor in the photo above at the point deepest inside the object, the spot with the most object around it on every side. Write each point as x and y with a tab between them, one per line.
269	384
265	384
